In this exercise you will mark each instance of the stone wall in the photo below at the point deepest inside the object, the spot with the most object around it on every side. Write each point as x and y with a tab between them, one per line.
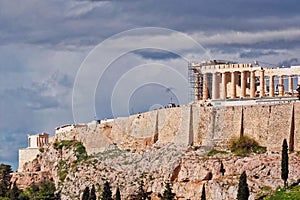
25	155
195	125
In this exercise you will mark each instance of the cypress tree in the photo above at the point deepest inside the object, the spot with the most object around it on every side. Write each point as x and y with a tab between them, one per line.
118	194
142	195
222	169
243	191
168	194
93	194
86	193
203	195
284	162
107	194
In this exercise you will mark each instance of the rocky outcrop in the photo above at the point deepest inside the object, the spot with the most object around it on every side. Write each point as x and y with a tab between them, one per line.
170	145
46	166
187	168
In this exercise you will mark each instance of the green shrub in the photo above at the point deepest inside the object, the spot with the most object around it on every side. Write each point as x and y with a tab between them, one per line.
62	170
58	145
79	149
62	174
291	193
44	190
214	152
245	145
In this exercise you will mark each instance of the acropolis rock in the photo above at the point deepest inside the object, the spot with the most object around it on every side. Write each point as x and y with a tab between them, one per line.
171	144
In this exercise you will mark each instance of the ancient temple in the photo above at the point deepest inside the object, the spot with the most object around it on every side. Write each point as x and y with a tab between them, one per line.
227	80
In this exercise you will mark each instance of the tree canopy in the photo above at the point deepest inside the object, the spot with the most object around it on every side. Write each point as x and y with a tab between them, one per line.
5	176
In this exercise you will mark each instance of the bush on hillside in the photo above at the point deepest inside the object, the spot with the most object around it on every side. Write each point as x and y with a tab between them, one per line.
245	145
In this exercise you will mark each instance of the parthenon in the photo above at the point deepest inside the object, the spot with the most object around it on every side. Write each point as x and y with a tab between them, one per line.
217	80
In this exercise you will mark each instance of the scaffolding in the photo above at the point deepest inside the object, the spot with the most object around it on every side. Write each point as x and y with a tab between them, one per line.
195	79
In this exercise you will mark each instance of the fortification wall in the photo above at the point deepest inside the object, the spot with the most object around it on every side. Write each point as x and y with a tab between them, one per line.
25	155
196	125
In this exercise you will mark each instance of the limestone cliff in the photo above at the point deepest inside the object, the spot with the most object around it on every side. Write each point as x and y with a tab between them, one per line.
159	146
185	167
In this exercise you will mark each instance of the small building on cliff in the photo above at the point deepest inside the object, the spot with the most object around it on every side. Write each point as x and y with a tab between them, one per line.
35	142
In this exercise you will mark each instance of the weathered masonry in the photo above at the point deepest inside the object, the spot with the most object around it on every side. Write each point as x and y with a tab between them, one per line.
34	143
222	80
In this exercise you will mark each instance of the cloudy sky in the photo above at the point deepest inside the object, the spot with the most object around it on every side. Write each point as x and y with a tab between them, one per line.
64	60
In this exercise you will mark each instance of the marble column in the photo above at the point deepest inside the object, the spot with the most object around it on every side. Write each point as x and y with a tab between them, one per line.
243	84
215	86
271	86
233	86
291	83
252	84
205	87
262	83
280	86
224	86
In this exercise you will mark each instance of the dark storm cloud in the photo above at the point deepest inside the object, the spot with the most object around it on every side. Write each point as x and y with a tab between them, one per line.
32	98
256	53
156	54
82	23
290	62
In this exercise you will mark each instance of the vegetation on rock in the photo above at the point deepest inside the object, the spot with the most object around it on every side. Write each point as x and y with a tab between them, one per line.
44	190
245	145
80	151
289	193
149	166
214	152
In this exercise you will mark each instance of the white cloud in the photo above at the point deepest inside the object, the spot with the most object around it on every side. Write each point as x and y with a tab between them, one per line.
80	8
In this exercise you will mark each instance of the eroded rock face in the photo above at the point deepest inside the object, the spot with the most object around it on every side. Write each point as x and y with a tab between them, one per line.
45	167
187	169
